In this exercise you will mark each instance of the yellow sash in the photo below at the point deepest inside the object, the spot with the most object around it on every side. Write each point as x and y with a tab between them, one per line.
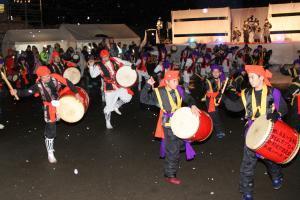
263	102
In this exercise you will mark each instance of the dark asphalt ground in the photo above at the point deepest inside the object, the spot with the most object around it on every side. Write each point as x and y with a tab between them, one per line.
122	163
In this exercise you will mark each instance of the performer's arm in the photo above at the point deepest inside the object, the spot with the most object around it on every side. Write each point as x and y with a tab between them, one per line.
28	92
283	109
121	62
94	69
188	99
65	82
158	69
147	96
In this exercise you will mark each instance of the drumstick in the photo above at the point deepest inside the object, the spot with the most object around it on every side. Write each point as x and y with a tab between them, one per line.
8	84
199	76
295	92
223	89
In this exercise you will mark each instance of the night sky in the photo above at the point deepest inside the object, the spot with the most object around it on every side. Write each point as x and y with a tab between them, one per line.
138	14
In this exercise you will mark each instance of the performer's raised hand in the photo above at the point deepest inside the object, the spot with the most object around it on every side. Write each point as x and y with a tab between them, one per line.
151	81
195	110
91	62
13	92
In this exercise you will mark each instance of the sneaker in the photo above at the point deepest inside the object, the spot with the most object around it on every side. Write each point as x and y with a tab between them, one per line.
108	125
51	158
220	135
247	197
277	183
117	111
173	180
2	126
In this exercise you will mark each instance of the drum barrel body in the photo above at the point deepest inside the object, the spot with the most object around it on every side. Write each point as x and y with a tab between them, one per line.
69	108
186	125
281	144
205	127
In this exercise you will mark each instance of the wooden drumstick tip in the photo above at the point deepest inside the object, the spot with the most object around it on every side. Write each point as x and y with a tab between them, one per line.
8	84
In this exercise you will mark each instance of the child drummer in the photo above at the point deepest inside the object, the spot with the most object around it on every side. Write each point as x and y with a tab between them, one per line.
213	92
260	99
47	86
169	98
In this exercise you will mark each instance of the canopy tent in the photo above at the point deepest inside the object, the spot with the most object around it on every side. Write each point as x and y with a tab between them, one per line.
19	39
86	33
68	35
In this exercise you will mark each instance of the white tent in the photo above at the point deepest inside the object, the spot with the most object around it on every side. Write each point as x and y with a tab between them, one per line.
86	33
19	39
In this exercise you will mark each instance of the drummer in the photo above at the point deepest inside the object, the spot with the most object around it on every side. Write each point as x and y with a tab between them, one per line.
213	87
168	98
56	64
261	99
238	81
115	95
48	86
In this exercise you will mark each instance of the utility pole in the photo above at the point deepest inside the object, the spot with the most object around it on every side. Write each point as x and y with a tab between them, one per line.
41	13
26	15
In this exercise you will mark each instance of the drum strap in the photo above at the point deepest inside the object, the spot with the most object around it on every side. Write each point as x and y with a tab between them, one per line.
174	105
263	103
159	99
210	85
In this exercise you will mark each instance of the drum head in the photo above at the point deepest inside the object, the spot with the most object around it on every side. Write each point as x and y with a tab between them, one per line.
184	123
70	109
126	76
72	74
258	132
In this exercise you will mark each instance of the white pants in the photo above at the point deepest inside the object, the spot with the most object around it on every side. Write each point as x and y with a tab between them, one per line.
141	75
112	99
